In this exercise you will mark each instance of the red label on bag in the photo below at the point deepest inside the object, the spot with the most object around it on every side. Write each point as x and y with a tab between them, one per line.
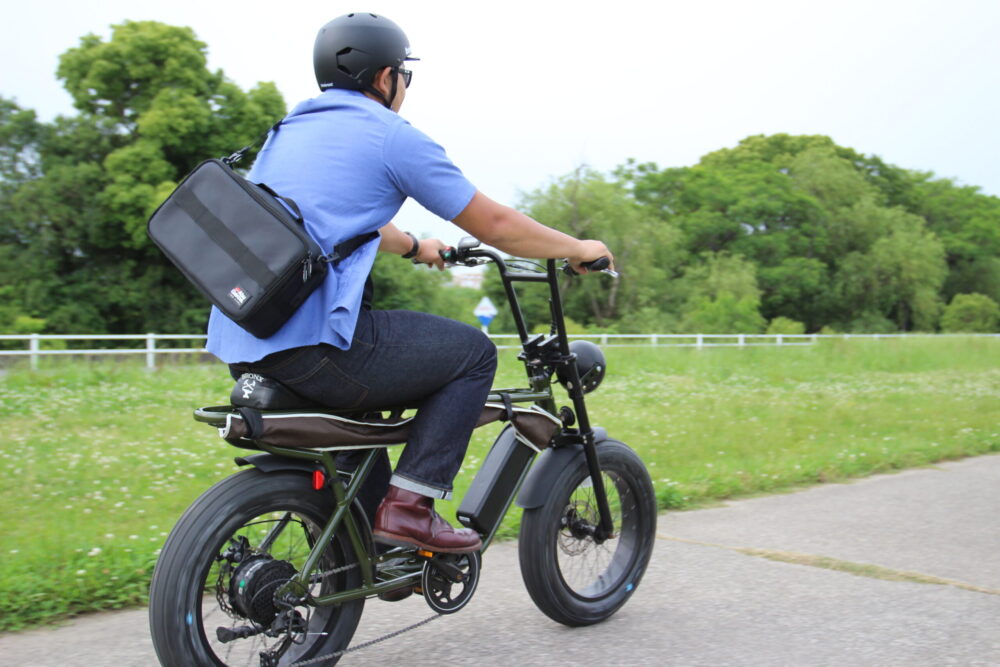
239	295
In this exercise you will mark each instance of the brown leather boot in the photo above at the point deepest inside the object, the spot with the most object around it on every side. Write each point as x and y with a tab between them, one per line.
406	518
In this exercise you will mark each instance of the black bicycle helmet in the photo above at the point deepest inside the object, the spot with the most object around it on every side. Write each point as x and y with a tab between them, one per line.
590	364
351	49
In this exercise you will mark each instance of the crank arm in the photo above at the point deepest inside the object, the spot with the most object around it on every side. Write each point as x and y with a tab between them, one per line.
448	571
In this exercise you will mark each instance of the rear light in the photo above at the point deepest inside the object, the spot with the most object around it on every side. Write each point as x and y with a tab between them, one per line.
319	480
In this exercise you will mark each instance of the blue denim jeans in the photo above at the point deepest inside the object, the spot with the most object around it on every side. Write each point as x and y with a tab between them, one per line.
398	357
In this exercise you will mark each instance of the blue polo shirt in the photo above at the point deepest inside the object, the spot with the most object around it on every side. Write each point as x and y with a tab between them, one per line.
349	163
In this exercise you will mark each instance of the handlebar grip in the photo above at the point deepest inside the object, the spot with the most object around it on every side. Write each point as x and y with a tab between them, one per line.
599	264
448	255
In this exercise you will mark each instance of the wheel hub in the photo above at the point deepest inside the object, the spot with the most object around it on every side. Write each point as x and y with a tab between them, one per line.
253	585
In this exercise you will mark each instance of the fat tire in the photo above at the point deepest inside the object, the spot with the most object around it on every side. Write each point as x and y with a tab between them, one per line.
543	527
175	595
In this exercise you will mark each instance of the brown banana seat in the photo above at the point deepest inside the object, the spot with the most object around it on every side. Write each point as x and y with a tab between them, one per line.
264	411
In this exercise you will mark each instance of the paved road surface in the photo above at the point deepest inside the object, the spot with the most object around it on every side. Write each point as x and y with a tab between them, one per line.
741	584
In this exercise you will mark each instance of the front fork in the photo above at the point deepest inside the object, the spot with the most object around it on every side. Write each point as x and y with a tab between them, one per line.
606	528
585	437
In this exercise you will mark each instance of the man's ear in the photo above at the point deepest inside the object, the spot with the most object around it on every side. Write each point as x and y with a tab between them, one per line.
382	81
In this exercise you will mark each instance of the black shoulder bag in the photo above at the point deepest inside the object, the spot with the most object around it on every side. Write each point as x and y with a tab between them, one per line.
242	244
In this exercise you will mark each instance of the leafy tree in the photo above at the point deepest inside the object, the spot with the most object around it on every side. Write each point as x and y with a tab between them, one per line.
972	313
76	193
974	275
838	237
721	296
647	250
19	135
799	287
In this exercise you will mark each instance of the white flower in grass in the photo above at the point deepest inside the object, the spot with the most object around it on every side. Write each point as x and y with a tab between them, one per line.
94	551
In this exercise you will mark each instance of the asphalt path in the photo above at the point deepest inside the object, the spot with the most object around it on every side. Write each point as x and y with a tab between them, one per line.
899	569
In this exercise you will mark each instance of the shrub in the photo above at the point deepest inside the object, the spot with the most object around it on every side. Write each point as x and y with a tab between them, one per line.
785	325
724	314
871	322
971	313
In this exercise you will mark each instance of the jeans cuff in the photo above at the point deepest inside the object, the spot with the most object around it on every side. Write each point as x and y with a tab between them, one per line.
419	487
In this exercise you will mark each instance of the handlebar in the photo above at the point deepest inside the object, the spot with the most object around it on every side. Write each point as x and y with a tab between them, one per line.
470	255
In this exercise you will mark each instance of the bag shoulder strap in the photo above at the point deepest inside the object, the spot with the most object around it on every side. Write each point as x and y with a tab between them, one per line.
239	155
341	250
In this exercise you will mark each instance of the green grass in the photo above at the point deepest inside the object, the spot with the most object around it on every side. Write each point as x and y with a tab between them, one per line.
99	460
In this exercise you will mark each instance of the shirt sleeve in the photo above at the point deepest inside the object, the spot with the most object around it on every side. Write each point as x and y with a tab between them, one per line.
421	169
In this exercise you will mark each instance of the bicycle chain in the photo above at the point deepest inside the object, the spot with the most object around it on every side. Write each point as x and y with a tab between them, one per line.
337	570
372	642
352	649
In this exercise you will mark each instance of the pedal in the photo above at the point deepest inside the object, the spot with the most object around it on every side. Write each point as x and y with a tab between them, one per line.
444	565
226	635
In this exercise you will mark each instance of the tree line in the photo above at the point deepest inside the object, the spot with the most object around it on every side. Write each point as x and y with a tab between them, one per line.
780	233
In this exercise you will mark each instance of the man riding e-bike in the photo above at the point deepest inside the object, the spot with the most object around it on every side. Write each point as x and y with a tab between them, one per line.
350	161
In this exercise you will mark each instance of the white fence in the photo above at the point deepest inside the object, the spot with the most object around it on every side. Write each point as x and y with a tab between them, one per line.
34	349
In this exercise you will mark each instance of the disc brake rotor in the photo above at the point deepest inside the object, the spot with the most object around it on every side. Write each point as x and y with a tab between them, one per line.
578	525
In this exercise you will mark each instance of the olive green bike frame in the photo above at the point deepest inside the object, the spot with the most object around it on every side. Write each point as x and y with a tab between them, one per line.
540	393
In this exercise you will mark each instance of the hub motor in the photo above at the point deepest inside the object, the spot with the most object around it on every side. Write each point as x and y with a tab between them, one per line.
253	585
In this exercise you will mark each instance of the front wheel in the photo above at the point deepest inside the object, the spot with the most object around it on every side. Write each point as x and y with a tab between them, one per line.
212	602
571	577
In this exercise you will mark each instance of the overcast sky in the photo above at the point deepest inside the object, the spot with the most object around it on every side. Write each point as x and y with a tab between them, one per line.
521	92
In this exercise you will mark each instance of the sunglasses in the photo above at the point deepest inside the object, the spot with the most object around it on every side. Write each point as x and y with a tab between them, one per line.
407	76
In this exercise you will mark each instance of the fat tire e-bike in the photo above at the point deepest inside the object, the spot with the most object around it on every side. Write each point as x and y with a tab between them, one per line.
273	565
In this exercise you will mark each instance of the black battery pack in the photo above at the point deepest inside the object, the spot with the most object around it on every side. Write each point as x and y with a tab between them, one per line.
494	486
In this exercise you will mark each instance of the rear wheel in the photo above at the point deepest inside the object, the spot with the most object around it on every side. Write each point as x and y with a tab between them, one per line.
212	598
570	576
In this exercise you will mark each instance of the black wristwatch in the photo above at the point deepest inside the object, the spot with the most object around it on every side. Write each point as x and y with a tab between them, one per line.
415	249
